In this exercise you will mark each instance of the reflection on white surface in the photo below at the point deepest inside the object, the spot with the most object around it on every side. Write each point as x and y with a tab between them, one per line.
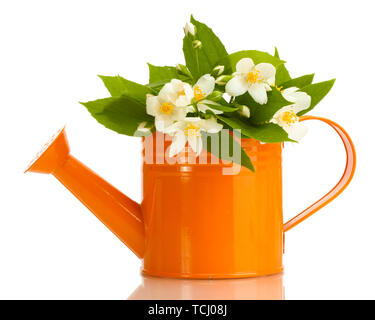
260	288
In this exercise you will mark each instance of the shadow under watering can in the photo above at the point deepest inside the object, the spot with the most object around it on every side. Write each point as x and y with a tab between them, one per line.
194	221
259	288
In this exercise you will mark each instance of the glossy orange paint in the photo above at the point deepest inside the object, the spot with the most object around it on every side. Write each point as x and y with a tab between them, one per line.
119	213
200	223
194	221
344	180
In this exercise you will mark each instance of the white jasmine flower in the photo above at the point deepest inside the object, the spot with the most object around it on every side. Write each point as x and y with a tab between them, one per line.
287	117
189	130
189	28
254	79
203	88
170	104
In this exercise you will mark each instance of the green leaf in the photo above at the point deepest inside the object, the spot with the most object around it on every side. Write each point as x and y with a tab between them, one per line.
159	74
231	60
269	132
262	113
122	114
202	60
299	82
156	86
221	107
247	100
282	74
317	91
233	145
117	86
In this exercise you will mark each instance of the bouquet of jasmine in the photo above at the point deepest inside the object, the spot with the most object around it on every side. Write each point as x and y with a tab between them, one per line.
248	91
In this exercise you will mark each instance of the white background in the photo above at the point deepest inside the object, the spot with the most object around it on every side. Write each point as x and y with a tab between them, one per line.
52	247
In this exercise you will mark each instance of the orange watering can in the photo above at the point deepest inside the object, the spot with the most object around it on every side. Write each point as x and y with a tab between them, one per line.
194	221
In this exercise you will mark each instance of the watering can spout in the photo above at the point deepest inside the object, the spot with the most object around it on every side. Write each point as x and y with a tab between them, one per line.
119	213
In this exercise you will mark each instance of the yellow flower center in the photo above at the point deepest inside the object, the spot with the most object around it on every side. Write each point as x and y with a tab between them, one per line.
254	77
181	93
289	117
280	88
192	131
198	93
166	108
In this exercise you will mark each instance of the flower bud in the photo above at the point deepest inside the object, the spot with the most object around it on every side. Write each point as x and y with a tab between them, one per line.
182	69
244	111
222	80
197	44
189	28
215	96
144	129
217	71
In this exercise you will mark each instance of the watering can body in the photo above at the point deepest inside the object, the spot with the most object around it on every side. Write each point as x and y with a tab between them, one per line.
195	221
202	223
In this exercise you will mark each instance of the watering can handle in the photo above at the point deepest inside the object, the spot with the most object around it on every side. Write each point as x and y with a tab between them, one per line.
340	186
